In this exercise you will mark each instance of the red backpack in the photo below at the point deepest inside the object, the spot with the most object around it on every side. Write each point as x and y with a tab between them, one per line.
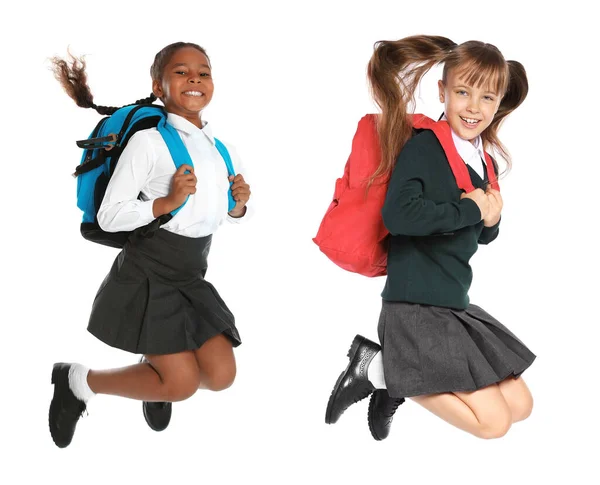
352	233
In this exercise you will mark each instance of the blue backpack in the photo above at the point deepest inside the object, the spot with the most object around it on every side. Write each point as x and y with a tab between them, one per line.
101	155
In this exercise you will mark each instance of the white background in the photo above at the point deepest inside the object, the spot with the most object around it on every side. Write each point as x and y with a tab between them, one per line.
290	87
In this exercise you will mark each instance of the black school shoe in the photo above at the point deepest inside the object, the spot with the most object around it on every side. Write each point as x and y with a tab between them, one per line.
157	414
65	408
352	384
381	413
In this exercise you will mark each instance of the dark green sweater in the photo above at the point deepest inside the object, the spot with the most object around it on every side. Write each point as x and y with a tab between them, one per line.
434	232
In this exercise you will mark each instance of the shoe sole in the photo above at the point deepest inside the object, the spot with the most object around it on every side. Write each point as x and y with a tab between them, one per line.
54	380
358	340
371	411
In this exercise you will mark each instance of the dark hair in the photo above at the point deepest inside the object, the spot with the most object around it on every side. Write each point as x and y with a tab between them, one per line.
397	67
73	78
162	58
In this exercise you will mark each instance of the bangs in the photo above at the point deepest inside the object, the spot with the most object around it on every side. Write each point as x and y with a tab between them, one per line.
489	77
479	65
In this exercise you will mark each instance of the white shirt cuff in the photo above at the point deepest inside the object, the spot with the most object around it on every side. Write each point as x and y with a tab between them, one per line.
146	211
244	218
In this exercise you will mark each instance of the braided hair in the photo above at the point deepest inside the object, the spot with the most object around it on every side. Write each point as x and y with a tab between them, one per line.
72	76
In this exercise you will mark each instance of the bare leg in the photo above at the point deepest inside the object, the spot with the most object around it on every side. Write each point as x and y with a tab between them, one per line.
172	377
216	363
483	413
518	397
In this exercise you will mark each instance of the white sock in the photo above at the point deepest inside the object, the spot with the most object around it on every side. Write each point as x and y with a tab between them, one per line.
78	382
375	372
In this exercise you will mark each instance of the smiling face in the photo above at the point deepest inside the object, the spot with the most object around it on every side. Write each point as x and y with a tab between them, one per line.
186	86
469	109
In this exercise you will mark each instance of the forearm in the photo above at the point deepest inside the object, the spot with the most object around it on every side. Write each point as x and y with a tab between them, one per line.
237	213
238	217
412	215
407	211
162	206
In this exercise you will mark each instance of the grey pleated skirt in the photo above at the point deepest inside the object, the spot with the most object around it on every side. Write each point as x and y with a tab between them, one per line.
155	299
429	350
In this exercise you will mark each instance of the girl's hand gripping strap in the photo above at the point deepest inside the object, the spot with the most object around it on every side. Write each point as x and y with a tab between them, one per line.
225	154
180	156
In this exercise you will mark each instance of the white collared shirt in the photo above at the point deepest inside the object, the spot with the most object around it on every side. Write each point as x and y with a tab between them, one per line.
146	169
471	153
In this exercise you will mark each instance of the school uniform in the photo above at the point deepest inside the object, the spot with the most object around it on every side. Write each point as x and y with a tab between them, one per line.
433	339
155	299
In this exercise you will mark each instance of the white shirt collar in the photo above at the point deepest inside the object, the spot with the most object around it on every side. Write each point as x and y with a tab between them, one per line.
187	127
471	153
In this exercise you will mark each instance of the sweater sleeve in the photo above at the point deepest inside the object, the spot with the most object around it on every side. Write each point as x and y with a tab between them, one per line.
121	210
488	234
407	212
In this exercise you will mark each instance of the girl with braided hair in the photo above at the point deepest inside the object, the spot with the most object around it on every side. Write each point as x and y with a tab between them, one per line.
448	355
155	300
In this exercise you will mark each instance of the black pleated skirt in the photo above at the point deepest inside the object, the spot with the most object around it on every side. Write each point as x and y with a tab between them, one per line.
429	350
155	299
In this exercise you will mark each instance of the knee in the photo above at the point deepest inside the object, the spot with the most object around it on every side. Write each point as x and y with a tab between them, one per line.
221	378
496	428
522	410
181	388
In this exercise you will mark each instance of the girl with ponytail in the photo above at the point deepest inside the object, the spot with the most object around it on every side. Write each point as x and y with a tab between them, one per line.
155	300
437	348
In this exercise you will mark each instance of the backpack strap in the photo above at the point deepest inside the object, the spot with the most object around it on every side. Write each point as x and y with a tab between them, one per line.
491	171
230	171
181	156
443	132
177	149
